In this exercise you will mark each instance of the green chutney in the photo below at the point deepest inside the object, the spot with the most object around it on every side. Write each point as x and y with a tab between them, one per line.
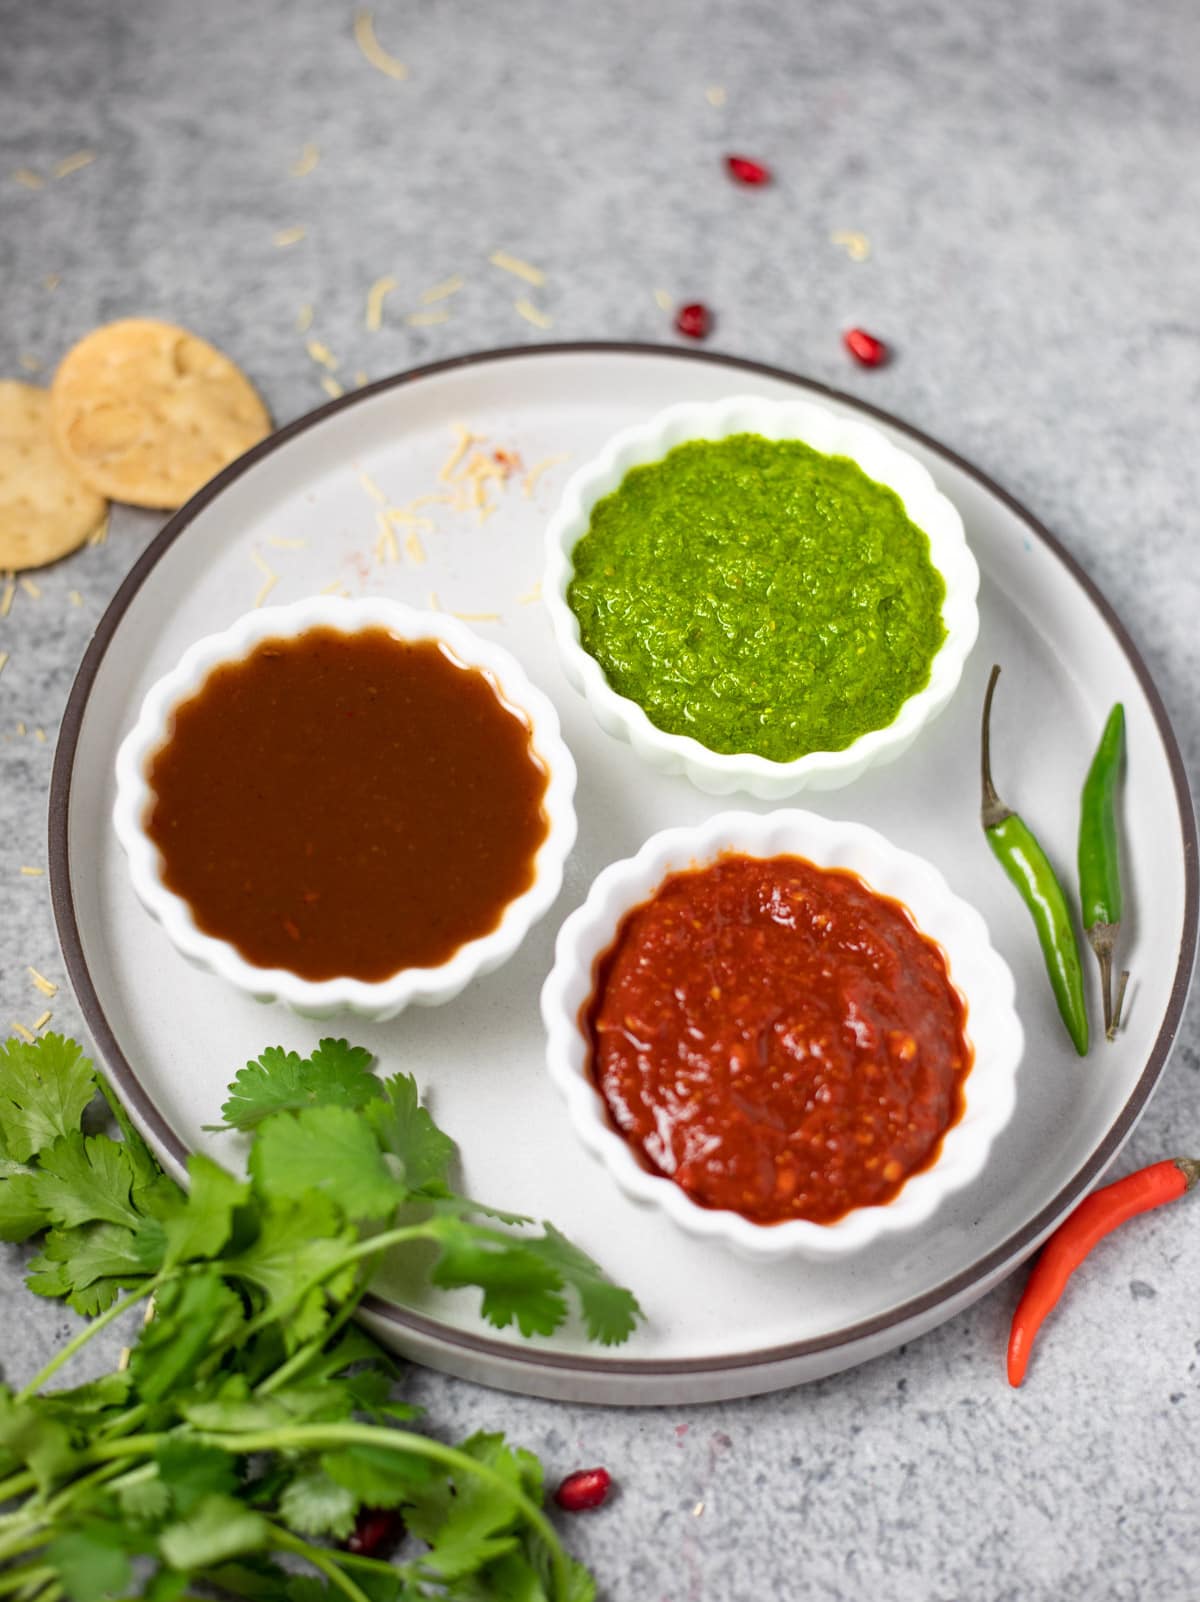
759	596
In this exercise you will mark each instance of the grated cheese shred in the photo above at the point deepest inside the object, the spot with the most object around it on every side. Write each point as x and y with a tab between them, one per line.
270	577
379	290
46	986
519	268
529	482
321	353
442	291
368	43
70	164
526	309
857	246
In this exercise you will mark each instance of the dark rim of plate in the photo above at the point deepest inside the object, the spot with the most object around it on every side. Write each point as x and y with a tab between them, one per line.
977	1278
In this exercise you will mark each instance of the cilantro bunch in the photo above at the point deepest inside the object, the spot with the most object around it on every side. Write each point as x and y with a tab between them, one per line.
253	1422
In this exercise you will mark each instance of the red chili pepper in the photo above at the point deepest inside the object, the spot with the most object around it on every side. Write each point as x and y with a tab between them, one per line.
745	171
865	348
585	1489
694	320
1094	1218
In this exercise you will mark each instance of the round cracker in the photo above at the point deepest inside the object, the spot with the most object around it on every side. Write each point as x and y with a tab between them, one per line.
44	509
146	412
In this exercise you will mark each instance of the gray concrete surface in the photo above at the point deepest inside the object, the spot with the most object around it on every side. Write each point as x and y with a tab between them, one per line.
1026	176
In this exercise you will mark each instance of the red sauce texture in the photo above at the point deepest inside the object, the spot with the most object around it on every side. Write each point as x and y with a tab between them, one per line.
778	1039
347	805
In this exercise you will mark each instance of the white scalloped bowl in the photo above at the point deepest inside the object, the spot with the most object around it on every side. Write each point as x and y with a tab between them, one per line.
366	999
720	773
977	971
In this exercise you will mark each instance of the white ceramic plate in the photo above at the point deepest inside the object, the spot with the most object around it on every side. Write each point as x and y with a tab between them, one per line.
173	1037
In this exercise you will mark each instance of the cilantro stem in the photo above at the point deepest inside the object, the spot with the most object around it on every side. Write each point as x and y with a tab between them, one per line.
355	1560
65	1353
15	1485
318	1436
319	1560
20	1578
313	1347
21	1544
372	1246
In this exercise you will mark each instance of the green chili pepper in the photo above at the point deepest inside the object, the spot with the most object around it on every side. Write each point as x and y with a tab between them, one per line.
1099	861
1016	849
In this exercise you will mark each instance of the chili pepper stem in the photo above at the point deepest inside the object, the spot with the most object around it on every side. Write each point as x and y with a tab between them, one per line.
1189	1167
992	811
1119	1008
1102	937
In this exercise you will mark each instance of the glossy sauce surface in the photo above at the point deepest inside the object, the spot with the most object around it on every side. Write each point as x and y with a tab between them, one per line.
778	1039
347	805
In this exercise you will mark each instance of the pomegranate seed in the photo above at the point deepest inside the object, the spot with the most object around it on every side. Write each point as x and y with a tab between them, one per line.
865	348
745	171
377	1532
586	1488
694	320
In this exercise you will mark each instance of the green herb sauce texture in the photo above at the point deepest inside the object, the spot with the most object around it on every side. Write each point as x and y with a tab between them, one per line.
759	596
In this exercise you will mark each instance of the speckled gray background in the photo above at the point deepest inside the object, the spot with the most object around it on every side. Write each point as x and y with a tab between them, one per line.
1026	175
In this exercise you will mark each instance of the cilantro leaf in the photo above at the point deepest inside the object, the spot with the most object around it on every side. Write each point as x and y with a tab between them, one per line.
93	1561
85	1179
337	1074
44	1088
518	1286
33	1438
88	1266
315	1504
233	1408
202	1227
21	1211
468	1522
217	1528
408	1131
191	1316
378	1476
298	1243
83	1402
609	1312
189	1472
330	1150
144	1501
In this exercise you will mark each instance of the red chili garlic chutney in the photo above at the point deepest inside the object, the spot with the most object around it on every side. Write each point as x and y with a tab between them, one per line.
347	805
778	1039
